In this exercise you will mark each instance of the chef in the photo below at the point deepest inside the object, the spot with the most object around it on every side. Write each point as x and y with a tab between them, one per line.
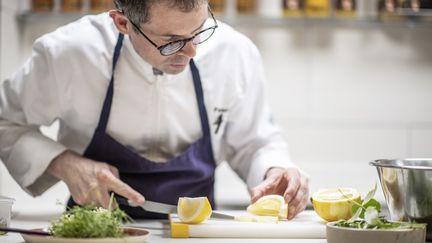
150	98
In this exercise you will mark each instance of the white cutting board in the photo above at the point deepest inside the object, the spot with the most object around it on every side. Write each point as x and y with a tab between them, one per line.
306	225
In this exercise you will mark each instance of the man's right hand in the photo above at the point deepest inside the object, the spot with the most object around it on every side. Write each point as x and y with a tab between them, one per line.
90	181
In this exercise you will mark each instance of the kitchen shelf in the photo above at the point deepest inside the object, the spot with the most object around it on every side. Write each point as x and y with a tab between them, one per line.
47	17
402	20
245	21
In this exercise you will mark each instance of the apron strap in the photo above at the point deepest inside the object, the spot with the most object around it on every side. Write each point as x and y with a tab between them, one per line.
200	98
103	120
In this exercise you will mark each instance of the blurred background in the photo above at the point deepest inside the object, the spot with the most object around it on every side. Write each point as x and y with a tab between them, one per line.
349	81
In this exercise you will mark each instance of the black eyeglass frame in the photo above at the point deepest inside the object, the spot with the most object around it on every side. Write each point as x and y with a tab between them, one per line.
184	41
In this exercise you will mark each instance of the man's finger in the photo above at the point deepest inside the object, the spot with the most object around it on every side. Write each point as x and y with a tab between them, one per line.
295	204
116	185
256	193
292	187
299	202
115	171
299	194
97	194
293	211
102	197
262	189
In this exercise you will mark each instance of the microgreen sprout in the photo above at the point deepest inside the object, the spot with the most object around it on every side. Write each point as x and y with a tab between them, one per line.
90	222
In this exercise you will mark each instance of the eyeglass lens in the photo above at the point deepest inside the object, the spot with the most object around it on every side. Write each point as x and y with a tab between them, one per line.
173	47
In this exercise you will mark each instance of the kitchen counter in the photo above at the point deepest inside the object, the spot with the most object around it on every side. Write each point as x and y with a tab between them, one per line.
159	229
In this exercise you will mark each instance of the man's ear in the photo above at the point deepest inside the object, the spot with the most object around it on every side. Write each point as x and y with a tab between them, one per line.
120	21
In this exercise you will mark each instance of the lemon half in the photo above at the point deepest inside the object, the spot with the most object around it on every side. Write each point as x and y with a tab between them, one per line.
335	203
193	210
269	205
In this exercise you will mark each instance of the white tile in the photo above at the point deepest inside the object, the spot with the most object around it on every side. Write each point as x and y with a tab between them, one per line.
381	79
421	142
371	74
9	5
342	142
283	59
9	44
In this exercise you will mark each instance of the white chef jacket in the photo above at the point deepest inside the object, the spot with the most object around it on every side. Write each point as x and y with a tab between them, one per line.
67	77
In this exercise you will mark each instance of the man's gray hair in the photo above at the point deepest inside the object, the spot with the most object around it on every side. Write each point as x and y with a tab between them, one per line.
138	11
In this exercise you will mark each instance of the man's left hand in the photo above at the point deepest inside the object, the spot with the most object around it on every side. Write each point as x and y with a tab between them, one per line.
290	183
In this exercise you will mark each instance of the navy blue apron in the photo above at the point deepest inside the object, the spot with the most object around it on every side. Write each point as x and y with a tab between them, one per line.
191	174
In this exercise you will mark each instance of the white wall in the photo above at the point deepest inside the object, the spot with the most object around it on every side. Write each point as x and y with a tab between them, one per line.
9	38
347	95
344	95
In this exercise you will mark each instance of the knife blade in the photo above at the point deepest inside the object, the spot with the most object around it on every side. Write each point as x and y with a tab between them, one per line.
25	231
163	208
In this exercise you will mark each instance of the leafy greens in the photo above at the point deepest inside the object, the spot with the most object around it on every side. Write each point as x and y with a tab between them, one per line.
90	222
366	216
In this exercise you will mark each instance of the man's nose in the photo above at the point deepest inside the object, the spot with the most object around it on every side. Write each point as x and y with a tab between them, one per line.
189	49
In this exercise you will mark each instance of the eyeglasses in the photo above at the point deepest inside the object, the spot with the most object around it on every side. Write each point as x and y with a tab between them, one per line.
175	46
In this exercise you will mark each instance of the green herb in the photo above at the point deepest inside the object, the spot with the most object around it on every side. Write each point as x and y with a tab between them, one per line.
366	216
369	201
359	209
90	222
382	223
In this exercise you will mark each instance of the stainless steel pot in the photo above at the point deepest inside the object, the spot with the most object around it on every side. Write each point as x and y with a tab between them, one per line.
407	187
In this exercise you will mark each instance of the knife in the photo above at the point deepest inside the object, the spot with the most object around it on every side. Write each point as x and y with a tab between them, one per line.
25	231
164	208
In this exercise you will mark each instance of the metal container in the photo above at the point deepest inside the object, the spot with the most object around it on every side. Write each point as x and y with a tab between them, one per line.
407	187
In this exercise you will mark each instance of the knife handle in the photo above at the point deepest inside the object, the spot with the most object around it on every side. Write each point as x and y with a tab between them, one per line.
122	200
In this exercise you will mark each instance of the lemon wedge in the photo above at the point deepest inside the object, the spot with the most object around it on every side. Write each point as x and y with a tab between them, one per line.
335	203
193	210
269	205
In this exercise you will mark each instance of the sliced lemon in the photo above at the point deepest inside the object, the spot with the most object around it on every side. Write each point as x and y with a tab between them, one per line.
335	203
193	210
269	205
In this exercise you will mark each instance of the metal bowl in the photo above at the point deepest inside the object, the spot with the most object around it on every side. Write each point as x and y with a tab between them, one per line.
407	188
336	234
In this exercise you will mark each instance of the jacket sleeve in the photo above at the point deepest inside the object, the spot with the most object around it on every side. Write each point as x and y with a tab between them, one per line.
28	100
253	140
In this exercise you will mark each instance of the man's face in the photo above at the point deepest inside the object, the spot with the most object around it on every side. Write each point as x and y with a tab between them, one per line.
169	24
